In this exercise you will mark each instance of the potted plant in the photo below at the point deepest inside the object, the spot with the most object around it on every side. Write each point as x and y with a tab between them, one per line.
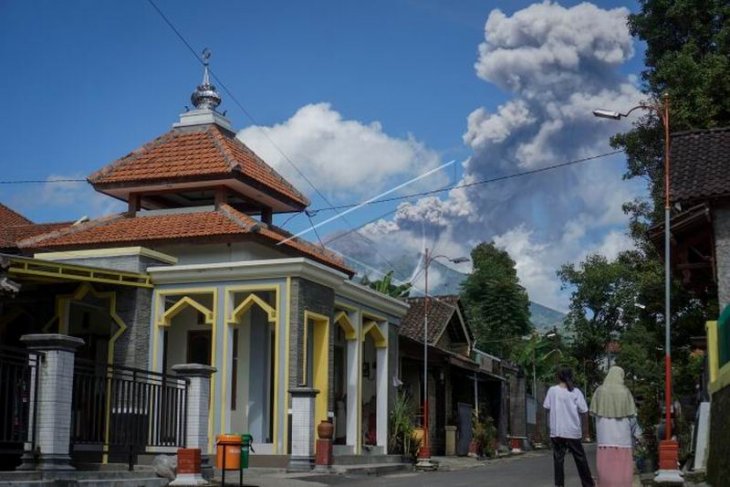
484	436
402	438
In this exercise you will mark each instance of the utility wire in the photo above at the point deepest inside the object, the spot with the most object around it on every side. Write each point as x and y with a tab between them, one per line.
465	185
291	217
43	181
314	228
473	183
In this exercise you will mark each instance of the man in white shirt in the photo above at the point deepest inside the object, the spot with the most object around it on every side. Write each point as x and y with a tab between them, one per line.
565	404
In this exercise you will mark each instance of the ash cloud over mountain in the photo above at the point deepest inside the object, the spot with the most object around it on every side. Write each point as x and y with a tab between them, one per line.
558	64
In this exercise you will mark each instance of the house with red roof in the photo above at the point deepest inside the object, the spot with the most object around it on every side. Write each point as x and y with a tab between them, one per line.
195	271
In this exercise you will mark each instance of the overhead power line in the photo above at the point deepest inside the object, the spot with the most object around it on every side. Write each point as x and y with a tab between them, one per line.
468	185
456	186
43	181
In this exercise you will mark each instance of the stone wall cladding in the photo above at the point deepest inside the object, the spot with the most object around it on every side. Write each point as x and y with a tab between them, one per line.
718	466
721	224
308	296
134	307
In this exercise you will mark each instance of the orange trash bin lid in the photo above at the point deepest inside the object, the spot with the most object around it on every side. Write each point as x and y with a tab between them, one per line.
228	439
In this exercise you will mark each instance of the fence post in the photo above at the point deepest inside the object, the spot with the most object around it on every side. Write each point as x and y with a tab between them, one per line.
302	442
198	396
53	396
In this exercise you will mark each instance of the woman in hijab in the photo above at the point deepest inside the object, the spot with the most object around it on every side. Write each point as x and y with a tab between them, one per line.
615	412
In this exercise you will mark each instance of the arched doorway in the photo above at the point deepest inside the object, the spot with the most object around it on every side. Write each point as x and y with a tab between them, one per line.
249	346
345	381
374	385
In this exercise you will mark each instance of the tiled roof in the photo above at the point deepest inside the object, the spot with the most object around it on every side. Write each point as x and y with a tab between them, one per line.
210	152
700	165
15	227
11	235
11	217
440	310
176	228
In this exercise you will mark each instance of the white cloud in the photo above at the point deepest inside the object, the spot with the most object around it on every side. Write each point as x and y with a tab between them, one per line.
342	157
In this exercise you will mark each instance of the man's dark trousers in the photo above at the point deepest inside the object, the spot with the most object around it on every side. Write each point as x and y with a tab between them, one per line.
579	455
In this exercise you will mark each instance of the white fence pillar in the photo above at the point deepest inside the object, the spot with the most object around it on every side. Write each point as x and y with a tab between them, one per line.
302	428
198	400
53	397
198	413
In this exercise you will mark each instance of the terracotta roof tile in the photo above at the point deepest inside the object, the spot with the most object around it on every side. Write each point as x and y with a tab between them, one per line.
440	310
208	153
700	165
11	217
176	227
15	227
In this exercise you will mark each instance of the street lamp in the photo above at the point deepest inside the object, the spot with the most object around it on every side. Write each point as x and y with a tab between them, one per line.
668	450
424	454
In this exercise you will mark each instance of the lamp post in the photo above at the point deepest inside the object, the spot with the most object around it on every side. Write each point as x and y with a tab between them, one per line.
424	454
668	450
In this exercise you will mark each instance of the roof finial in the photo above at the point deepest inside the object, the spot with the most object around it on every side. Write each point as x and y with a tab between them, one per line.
205	96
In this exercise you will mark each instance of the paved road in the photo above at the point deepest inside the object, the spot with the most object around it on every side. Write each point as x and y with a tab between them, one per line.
530	470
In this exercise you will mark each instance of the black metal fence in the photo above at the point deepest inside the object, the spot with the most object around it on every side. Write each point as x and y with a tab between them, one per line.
18	412
122	411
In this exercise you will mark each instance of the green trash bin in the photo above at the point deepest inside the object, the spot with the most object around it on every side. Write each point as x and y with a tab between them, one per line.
246	446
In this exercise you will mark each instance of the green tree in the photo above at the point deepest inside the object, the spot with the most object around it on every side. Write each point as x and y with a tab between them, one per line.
601	304
546	352
687	56
496	303
387	286
623	299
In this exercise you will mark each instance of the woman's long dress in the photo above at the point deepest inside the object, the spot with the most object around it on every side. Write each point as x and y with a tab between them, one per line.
614	460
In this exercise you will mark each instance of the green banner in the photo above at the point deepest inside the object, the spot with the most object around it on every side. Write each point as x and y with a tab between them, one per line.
723	336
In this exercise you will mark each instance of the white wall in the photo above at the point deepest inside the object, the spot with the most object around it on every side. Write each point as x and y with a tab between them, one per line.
177	336
239	417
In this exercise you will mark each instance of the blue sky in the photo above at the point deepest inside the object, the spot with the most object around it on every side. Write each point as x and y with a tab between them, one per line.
87	81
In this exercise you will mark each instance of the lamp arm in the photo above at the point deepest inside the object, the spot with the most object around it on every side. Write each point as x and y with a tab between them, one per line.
654	108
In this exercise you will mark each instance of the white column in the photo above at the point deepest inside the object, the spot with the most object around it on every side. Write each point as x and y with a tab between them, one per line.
198	400
302	434
54	395
353	378
381	385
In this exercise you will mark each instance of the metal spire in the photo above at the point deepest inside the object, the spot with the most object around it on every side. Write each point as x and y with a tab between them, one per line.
205	96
